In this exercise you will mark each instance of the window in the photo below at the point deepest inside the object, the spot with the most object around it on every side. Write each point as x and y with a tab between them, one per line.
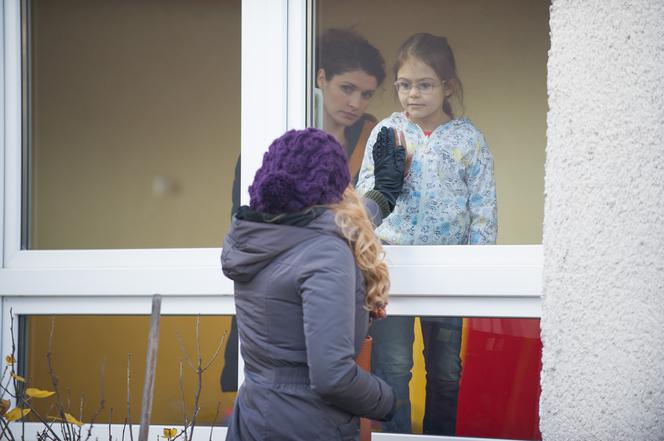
132	123
500	53
100	274
94	357
471	102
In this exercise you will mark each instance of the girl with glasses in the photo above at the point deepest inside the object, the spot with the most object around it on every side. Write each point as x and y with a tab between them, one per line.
448	198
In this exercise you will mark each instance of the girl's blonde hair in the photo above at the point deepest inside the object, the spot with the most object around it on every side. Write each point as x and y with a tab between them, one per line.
355	226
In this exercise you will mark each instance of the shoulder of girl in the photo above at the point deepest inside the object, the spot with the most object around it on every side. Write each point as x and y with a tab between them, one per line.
391	119
467	125
472	124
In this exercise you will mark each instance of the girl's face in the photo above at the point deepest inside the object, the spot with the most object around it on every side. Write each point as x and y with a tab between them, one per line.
423	105
346	95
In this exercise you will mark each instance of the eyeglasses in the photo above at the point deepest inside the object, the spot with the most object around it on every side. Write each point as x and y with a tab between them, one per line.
425	86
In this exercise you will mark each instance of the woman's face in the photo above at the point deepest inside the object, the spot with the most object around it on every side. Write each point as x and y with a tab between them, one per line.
346	95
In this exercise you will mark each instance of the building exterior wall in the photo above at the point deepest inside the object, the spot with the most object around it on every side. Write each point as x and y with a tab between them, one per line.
603	288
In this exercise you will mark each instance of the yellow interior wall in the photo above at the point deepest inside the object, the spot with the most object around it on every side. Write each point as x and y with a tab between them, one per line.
123	92
501	52
83	344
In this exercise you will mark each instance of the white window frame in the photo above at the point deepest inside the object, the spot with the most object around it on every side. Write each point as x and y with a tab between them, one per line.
482	281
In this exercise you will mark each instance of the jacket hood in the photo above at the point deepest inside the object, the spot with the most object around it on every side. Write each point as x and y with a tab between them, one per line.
254	241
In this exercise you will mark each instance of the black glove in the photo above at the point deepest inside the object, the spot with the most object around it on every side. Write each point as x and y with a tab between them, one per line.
389	165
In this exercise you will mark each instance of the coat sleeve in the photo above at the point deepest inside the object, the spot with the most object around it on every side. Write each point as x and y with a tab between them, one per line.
373	211
365	180
327	287
482	194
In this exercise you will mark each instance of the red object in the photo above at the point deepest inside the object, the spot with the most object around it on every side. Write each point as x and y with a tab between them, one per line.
500	382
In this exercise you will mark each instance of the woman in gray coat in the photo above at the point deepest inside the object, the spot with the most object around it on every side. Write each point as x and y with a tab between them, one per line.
308	275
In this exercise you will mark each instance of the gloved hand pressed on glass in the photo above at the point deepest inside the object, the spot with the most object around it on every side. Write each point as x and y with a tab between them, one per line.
389	166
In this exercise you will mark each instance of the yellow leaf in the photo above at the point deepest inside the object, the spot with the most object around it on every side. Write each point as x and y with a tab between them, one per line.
10	360
170	433
16	414
53	418
70	419
18	378
38	393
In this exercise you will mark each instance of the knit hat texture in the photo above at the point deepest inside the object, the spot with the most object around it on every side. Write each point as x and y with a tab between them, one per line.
302	168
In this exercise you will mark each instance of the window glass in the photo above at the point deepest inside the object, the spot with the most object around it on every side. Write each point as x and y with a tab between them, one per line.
475	172
132	123
474	377
85	345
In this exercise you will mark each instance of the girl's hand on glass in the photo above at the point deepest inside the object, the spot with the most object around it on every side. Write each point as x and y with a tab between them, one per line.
401	136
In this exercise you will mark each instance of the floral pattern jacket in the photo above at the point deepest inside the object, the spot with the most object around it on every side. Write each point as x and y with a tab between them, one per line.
449	193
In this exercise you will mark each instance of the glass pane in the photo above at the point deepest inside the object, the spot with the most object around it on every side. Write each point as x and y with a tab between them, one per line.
452	184
475	377
133	123
84	345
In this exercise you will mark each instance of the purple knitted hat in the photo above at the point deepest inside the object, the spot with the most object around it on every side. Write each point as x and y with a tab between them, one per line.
302	168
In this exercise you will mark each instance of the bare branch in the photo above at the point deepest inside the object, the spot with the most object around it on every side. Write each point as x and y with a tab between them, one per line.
184	407
199	357
183	350
5	387
26	403
128	420
102	399
124	427
216	352
6	429
54	381
110	421
199	377
80	415
214	420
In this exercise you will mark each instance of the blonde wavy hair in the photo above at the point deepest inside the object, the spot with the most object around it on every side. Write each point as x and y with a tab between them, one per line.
355	226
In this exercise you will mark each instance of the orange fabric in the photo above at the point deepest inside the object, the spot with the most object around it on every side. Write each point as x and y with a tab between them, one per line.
355	161
364	361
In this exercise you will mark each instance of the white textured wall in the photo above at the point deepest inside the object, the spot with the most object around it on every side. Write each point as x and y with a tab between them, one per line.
603	311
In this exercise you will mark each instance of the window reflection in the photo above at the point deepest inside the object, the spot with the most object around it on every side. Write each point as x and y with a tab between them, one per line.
349	71
449	191
82	344
475	377
500	52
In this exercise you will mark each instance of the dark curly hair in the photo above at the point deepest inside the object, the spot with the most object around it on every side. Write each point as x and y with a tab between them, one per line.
340	50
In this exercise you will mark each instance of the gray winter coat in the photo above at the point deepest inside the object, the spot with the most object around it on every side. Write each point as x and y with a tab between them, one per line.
299	300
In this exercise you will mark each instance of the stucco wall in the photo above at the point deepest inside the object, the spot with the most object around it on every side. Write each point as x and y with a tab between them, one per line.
603	310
